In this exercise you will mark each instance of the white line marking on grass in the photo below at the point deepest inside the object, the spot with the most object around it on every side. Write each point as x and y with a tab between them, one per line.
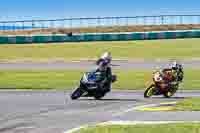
142	122
109	123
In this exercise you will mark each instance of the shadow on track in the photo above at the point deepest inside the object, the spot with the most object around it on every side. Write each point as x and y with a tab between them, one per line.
112	99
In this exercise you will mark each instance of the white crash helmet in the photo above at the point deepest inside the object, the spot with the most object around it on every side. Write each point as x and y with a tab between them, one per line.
174	65
106	56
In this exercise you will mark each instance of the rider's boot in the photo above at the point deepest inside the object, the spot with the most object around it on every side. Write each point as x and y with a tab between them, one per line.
107	87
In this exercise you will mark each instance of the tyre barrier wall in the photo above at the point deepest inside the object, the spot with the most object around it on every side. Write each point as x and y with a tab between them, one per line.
99	37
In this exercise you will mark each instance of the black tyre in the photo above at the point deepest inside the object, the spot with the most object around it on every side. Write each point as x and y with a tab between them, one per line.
171	91
99	96
76	94
149	91
168	94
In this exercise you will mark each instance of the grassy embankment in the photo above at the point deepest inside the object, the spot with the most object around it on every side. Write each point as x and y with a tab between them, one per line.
152	49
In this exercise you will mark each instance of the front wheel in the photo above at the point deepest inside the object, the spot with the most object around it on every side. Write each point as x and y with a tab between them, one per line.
149	91
76	94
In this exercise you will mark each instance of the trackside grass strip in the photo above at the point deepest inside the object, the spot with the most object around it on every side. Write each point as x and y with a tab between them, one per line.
189	104
149	49
60	79
152	128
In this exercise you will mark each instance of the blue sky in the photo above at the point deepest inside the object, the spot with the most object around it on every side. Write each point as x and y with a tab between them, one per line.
50	9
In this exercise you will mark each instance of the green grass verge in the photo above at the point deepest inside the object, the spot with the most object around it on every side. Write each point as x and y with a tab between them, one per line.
40	79
189	104
161	128
149	49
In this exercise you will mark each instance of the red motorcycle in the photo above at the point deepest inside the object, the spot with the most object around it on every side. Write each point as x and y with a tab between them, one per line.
161	85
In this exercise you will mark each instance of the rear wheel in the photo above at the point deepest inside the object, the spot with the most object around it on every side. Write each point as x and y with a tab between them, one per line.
168	94
76	94
149	91
171	91
99	95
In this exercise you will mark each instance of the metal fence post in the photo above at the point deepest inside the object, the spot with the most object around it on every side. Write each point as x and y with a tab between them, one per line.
63	24
154	20
136	20
80	24
127	24
181	19
13	25
98	23
198	19
52	24
33	24
117	22
23	28
71	24
162	20
4	26
145	20
41	29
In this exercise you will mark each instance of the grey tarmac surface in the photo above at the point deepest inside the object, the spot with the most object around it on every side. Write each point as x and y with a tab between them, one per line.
87	65
55	112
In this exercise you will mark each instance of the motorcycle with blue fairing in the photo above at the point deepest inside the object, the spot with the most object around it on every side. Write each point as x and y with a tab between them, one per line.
91	85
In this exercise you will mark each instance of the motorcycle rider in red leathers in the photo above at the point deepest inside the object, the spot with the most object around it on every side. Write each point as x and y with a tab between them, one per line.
173	75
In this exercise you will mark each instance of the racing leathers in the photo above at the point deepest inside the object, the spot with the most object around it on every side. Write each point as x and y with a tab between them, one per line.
105	81
172	77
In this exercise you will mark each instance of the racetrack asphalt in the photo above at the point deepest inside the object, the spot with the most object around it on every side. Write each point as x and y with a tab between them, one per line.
87	65
54	111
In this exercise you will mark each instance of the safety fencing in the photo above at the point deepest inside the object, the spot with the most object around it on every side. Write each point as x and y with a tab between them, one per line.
97	22
99	37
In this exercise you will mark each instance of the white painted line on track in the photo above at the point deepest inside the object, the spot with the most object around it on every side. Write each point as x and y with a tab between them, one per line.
124	112
130	122
76	129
